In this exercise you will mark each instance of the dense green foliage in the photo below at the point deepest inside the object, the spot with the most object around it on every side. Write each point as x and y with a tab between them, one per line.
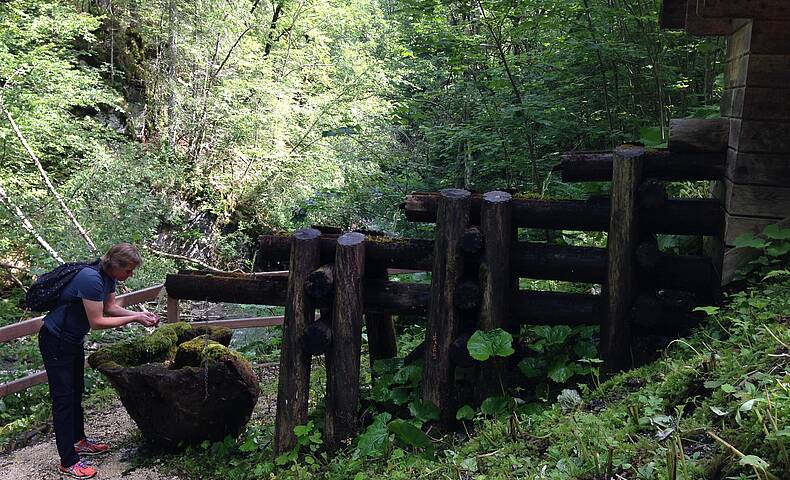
190	127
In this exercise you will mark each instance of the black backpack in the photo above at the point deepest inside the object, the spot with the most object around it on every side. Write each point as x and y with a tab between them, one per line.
45	292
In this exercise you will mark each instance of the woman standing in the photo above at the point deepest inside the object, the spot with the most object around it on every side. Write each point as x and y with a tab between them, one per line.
87	301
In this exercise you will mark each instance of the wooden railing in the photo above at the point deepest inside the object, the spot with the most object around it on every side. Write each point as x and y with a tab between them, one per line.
32	326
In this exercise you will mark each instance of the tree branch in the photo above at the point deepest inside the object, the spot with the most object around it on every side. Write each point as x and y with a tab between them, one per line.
48	183
13	208
173	256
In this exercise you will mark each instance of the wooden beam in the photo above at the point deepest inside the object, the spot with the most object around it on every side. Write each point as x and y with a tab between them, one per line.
343	358
659	164
756	200
496	223
382	341
672	15
444	318
173	312
236	323
766	9
697	25
678	217
698	135
293	386
622	242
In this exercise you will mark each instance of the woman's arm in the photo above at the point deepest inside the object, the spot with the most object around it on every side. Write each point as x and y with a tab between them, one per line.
112	309
95	312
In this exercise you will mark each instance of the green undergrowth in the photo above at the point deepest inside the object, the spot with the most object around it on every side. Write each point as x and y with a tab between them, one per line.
716	405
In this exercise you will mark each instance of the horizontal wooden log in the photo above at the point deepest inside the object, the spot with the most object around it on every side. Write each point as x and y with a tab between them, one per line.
555	262
698	135
652	194
756	200
697	25
321	282
660	164
317	338
768	9
472	240
647	253
467	295
234	323
232	289
555	308
759	169
678	217
672	15
379	253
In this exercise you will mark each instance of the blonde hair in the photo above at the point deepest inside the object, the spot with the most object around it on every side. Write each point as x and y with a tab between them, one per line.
121	255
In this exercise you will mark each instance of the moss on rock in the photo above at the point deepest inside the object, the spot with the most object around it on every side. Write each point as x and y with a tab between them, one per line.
199	350
157	347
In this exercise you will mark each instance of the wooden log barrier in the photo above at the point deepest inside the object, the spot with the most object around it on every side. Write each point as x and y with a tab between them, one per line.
320	284
528	260
382	341
471	240
343	357
659	164
538	261
647	253
622	243
443	318
652	194
496	222
386	252
677	217
699	134
293	385
467	295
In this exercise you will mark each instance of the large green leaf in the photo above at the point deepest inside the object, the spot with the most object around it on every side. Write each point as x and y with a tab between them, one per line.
409	434
375	440
424	410
493	343
532	367
495	406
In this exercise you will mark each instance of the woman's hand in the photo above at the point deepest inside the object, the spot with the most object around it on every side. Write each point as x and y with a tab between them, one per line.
147	319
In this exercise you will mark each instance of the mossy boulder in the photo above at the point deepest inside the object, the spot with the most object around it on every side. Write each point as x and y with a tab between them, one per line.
181	384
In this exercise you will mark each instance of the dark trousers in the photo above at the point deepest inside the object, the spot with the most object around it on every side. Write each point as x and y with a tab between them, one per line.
65	365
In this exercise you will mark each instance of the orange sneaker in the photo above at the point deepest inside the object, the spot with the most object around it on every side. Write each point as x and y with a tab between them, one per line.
87	446
78	470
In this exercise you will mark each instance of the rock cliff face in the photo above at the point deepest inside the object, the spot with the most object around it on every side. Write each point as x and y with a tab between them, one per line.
181	384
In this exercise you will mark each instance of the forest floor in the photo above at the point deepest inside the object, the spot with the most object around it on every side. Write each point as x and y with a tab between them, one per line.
129	458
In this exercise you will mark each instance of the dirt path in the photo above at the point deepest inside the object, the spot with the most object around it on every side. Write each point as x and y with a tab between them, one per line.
113	425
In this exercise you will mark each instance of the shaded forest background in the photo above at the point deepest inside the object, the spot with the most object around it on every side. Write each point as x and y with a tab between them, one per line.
193	126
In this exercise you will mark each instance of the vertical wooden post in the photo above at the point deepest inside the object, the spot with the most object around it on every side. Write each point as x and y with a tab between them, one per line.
497	228
343	357
293	385
443	318
621	245
173	310
382	341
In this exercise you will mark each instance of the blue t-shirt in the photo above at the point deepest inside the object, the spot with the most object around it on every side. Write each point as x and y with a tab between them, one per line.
68	321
